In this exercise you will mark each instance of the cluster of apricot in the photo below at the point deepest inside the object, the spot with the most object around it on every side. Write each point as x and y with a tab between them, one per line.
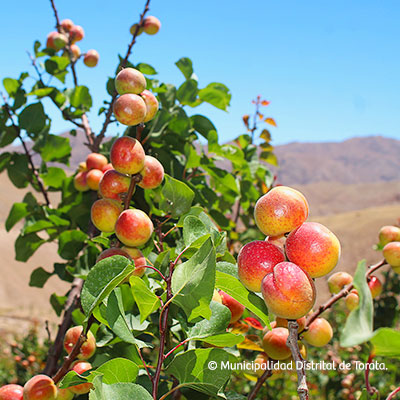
389	239
67	37
283	266
135	104
151	25
42	387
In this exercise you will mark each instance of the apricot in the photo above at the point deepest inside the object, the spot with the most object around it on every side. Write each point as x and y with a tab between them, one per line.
152	173
255	260
80	182
262	364
130	80
64	394
319	333
389	234
133	228
80	367
40	387
375	286
60	41
112	251
283	322
288	291
314	248
96	161
278	241
138	258
82	166
217	297
50	40
280	210
274	343
391	252
11	392
129	109
88	348
93	178
91	58
76	33
66	25
234	306
151	25
114	185
338	281
133	28
352	300
76	52
105	213
127	155
151	105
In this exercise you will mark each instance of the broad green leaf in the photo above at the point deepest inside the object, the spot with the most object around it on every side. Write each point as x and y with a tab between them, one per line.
193	282
56	66
54	177
228	268
386	342
37	226
185	66
32	118
118	391
8	135
358	327
53	148
235	288
224	339
73	379
203	125
80	98
42	92
193	229
17	212
364	395
11	85
26	245
18	170
106	275
217	95
146	300
39	277
187	92
146	69
195	369
70	243
177	197
118	370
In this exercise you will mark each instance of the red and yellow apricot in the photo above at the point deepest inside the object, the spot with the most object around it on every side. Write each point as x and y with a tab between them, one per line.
338	281
375	286
88	348
319	333
151	105
112	251
274	343
127	155
352	300
255	260
391	252
129	109
80	367
64	394
234	306
283	322
138	258
105	213
131	81
288	291
11	392
75	51
278	241
133	228
80	181
281	210
93	178
114	185
50	40
314	248
66	25
151	25
133	28
76	33
152	173
389	234
40	387
96	161
91	58
60	41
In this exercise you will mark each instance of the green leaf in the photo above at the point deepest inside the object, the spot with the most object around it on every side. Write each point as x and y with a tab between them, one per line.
54	177
102	279
56	66
70	243
193	282
146	69
11	85
203	125
235	288
187	92
26	245
224	340
17	212
18	170
39	277
32	118
217	95
177	197
118	391
146	300
53	148
192	369
118	370
364	395
185	66
80	98
193	229
358	327
386	342
8	135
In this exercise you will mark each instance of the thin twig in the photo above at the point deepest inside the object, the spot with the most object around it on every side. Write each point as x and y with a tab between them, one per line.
370	389
292	343
176	347
145	365
260	381
391	395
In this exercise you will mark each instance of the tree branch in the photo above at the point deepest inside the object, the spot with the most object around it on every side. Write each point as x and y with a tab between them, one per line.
260	381
123	63
292	343
393	394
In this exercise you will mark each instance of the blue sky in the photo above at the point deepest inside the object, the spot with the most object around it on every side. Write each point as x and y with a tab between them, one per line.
330	69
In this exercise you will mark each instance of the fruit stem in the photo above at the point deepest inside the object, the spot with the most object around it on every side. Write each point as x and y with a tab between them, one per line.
292	343
134	180
370	389
391	395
